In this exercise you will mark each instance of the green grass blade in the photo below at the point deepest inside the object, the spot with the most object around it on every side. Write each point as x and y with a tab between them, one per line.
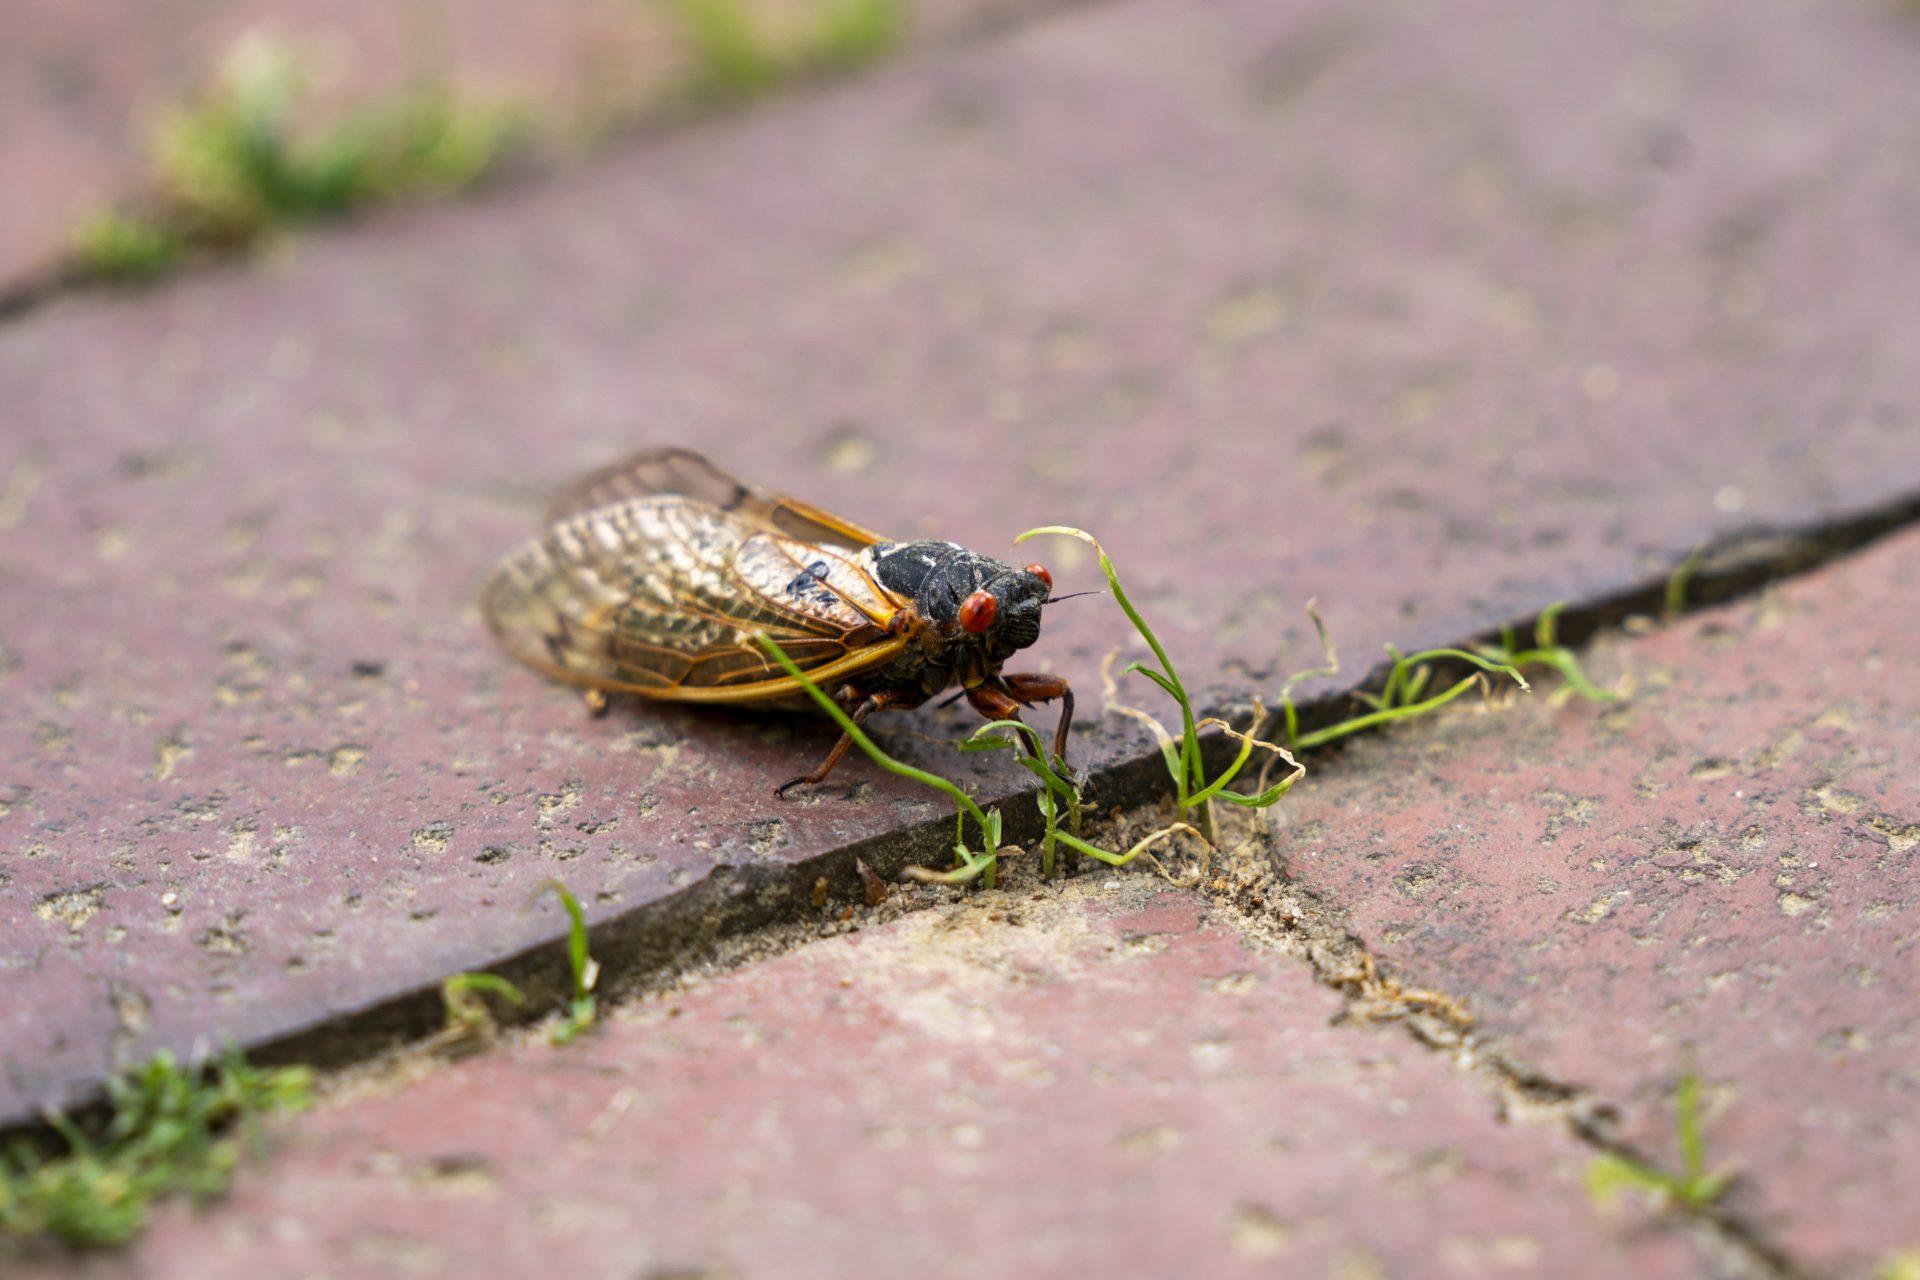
1568	666
1189	746
867	745
1493	666
585	970
1265	800
1320	737
173	1130
1680	580
1546	627
1609	1174
733	56
1139	847
988	737
1686	1109
847	34
1215	787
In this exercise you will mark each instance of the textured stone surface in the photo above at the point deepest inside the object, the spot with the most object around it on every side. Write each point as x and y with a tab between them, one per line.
1284	299
1724	868
1097	1081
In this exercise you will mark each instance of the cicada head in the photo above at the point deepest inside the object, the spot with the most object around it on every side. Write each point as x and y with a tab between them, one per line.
1004	612
980	603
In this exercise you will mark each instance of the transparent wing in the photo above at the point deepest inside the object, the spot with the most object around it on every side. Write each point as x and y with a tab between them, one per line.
683	473
663	596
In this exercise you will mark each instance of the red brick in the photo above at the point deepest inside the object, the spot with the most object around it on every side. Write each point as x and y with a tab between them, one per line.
1099	1080
1720	870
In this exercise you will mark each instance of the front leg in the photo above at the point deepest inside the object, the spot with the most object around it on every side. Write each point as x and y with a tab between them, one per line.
1031	687
1003	698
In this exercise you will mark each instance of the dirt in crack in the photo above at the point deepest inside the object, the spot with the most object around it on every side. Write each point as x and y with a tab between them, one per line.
1275	912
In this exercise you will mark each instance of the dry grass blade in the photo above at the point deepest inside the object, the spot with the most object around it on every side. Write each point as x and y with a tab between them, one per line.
1140	847
1110	701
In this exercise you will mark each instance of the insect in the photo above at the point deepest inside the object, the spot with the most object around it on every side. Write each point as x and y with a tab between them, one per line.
655	575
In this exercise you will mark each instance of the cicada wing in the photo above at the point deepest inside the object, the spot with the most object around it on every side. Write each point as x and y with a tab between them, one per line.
665	595
686	474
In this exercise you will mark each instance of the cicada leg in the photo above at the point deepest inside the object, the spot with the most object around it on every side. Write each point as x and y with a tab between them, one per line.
1023	690
863	706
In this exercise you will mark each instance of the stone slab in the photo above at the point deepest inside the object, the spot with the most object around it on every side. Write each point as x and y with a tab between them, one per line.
1724	870
1099	1080
1285	300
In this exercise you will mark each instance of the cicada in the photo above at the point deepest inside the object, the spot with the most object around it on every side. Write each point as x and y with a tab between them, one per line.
655	577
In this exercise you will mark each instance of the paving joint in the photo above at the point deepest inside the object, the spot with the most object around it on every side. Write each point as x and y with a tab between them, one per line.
1297	923
1727	569
738	913
1270	908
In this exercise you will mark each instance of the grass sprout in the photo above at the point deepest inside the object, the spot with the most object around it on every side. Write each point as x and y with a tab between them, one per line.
125	246
1059	795
845	35
1547	651
1611	1173
584	968
1194	793
1679	581
169	1129
1903	1264
1405	694
469	1021
741	51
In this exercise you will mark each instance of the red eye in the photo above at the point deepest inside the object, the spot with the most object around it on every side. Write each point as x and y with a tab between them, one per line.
1040	571
977	610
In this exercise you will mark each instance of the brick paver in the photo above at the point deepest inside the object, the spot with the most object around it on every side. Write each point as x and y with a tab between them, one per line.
1722	869
1093	1080
1363	302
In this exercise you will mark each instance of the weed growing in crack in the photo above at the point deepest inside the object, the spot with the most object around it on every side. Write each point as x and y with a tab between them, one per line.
1675	596
469	1022
1694	1188
249	157
1404	695
169	1128
1194	794
740	52
584	968
1059	795
1548	652
1901	1265
126	247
